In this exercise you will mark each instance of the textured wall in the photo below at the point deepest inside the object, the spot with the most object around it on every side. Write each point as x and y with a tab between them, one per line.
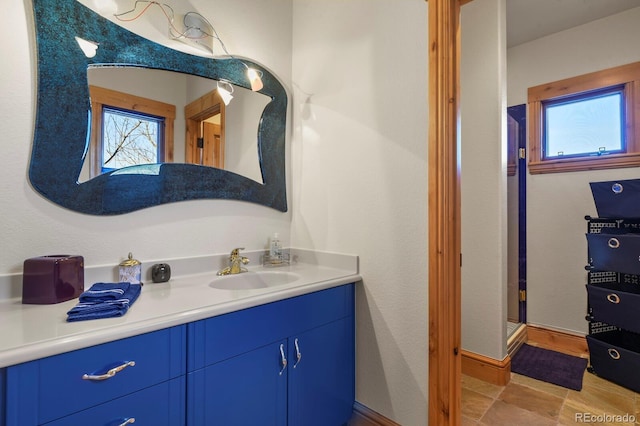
360	167
484	178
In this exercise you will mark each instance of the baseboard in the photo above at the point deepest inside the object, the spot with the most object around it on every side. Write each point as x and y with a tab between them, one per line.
517	339
560	341
364	416
487	369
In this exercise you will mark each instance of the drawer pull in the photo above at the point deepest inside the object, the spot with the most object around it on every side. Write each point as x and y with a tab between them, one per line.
613	243
128	421
109	374
283	359
613	298
614	353
298	353
617	188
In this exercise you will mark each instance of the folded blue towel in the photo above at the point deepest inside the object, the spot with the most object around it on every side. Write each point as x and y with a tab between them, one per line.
100	292
95	309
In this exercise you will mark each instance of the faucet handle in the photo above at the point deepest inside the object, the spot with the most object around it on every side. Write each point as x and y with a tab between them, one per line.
236	251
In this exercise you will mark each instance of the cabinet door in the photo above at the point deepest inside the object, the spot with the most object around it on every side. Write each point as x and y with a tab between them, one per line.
248	389
321	375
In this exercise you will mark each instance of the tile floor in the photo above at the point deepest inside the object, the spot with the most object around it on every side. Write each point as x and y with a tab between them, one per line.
529	402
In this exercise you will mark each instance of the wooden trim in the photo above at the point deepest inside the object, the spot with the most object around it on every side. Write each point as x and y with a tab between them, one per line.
444	214
585	82
101	96
487	369
364	416
195	113
560	341
517	339
627	75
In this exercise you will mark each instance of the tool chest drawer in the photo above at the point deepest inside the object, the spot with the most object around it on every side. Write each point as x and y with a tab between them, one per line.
613	245
616	302
617	199
615	355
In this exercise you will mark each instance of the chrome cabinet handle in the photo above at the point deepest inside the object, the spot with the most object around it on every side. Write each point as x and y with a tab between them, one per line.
614	353
298	353
109	374
128	421
613	243
613	298
283	359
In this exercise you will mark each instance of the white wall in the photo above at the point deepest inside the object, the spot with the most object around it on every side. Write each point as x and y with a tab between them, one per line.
357	181
484	178
33	226
360	164
558	202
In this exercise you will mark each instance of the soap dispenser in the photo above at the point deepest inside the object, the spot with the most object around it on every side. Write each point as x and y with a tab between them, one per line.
275	249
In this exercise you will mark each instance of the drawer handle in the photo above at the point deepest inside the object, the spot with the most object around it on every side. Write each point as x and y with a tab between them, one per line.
614	353
613	298
298	353
617	188
109	374
283	359
613	243
128	421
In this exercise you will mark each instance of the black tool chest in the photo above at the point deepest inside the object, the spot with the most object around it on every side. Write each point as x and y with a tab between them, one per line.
613	283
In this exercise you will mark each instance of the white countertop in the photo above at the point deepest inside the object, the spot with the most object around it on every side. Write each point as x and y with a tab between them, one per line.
34	331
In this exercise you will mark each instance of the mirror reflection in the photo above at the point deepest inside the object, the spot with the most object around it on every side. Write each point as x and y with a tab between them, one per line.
75	169
147	116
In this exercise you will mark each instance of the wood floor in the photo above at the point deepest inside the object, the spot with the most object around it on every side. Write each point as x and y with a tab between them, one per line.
529	402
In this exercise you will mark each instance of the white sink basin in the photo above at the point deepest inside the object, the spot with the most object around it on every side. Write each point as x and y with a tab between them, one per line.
254	280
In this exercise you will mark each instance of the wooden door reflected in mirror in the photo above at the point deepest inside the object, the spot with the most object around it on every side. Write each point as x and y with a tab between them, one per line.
205	118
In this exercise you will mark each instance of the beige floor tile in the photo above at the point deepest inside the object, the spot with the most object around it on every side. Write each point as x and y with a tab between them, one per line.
591	380
466	421
474	404
480	386
550	388
601	400
504	414
542	403
576	414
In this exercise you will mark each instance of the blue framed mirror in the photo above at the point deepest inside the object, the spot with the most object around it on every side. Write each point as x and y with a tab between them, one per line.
63	117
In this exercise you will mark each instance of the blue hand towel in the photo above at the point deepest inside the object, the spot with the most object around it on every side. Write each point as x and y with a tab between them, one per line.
105	308
100	292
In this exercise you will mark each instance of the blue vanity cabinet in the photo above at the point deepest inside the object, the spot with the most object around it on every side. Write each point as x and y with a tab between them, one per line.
3	398
107	383
289	362
247	389
321	375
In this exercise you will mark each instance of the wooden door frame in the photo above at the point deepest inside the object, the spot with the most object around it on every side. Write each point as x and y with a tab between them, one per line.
195	112
445	256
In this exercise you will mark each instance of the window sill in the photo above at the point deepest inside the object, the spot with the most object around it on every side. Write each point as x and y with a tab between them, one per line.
613	161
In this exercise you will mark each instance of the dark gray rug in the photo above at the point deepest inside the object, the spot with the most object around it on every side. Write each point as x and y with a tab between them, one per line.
549	366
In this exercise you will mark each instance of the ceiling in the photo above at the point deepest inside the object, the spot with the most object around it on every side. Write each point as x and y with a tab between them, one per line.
531	19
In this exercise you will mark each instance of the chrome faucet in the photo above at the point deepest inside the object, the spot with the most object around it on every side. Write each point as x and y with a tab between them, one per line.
235	263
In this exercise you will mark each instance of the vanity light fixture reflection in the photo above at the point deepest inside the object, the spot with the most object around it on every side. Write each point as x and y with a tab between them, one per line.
225	90
89	48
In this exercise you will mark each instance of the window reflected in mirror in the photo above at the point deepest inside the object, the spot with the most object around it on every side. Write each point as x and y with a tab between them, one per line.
192	123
